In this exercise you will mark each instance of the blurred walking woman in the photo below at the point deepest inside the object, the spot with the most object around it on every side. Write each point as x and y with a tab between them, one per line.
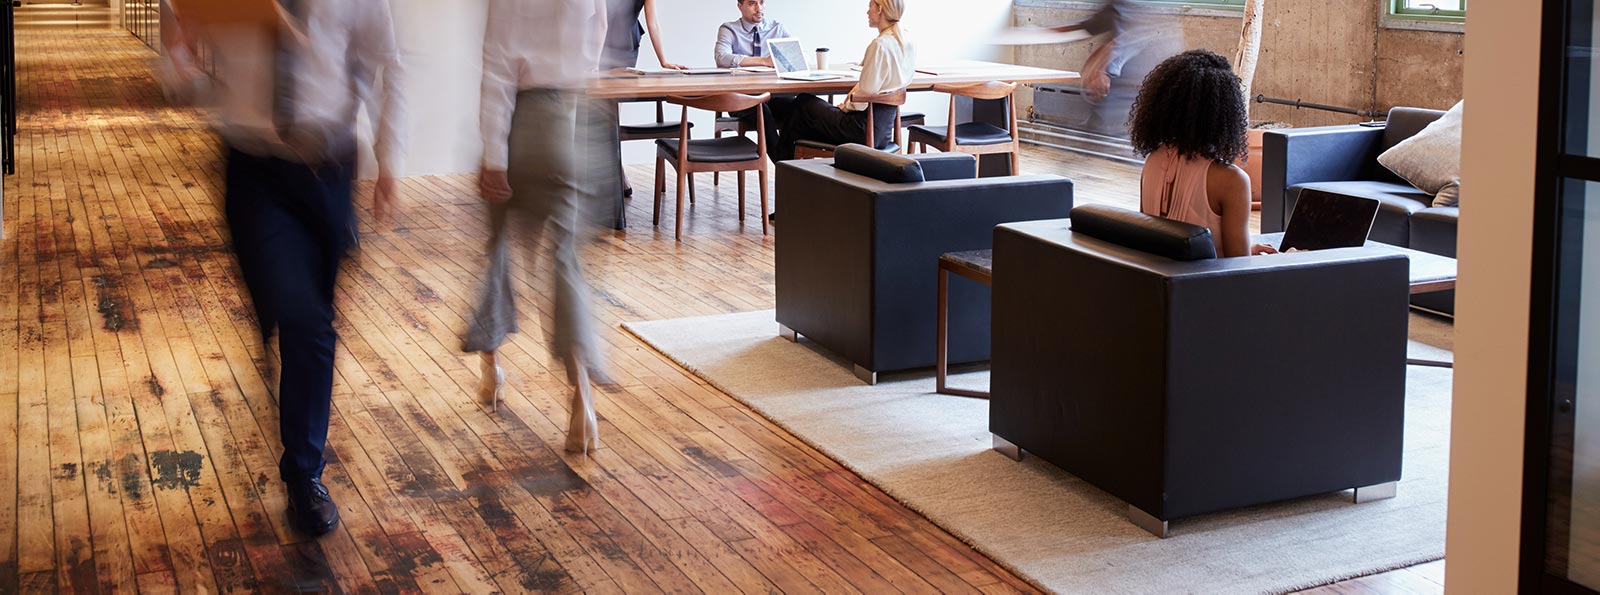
623	37
538	55
889	65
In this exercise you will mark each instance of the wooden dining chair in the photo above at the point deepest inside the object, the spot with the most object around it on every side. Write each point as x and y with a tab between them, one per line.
660	128
725	123
733	153
811	149
975	138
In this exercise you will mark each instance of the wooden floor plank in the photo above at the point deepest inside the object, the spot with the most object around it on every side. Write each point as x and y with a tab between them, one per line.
130	355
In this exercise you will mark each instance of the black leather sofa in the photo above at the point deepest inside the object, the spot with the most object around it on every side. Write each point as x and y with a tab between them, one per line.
1344	160
859	248
1124	355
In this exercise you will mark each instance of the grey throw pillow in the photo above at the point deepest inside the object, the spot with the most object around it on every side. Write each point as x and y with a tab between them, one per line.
1431	160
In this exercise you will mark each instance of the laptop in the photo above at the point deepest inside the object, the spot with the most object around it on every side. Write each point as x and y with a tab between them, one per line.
790	60
1323	220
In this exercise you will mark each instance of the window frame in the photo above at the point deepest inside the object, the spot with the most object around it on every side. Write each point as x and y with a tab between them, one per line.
1397	10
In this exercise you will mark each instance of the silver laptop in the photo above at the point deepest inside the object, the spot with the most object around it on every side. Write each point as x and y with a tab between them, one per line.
790	60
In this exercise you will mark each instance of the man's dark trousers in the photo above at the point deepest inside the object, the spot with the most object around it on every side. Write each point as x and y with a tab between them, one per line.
291	226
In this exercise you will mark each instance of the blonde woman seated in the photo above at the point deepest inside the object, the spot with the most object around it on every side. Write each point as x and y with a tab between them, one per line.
888	65
1189	121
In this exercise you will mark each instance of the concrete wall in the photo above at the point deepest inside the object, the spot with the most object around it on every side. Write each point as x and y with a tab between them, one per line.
1495	248
1312	50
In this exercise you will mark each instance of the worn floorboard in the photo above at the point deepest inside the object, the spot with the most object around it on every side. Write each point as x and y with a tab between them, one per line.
138	426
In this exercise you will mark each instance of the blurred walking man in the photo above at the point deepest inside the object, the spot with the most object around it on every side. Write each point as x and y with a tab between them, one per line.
287	92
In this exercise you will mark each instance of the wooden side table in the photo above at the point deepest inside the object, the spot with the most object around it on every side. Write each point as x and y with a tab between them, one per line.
977	265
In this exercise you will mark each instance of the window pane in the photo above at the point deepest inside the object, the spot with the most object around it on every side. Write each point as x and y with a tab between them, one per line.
1581	125
1574	521
1426	5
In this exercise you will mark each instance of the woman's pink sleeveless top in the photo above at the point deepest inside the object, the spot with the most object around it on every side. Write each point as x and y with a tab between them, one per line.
1175	188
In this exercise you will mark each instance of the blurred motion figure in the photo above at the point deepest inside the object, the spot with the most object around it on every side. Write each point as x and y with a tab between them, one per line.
538	56
290	79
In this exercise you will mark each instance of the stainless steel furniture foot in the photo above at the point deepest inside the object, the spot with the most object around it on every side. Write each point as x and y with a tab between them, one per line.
1006	448
788	333
868	376
1382	491
1143	520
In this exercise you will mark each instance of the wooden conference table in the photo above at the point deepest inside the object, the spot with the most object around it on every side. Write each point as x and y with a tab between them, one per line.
662	85
657	86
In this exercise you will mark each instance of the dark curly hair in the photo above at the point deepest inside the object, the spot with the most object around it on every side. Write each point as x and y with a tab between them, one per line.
1191	102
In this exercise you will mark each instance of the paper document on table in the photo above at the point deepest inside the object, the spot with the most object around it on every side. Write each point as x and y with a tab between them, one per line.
756	69
1038	36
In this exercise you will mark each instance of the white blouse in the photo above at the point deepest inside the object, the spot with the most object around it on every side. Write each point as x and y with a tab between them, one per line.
888	65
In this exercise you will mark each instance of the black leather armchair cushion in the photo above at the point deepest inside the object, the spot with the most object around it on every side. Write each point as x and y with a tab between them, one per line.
947	166
1396	204
1301	156
1153	379
878	165
857	258
1162	237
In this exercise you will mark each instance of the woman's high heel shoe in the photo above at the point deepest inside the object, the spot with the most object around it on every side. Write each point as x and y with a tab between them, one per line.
492	382
583	431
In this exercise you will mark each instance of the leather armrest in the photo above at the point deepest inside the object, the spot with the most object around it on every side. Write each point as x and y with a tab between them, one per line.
1300	156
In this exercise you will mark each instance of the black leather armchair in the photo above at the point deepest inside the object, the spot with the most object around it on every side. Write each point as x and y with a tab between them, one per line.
1184	384
857	257
1344	160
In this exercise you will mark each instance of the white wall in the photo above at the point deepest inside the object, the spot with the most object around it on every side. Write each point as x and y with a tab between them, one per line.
444	47
1495	248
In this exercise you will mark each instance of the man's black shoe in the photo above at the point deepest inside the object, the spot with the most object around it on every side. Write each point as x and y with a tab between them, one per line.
311	508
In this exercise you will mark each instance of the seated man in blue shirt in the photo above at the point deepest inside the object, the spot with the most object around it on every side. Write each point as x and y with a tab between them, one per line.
744	43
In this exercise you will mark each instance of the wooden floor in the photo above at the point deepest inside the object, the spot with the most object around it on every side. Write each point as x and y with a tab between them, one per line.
138	433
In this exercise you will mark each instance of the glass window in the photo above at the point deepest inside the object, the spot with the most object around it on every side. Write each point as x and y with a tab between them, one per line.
1573	534
1449	10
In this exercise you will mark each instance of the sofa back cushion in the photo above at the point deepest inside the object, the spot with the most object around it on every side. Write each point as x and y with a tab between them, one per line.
878	165
1162	237
1404	123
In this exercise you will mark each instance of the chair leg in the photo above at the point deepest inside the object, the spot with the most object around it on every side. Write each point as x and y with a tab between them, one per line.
691	188
660	189
762	173
1015	157
741	202
741	187
677	232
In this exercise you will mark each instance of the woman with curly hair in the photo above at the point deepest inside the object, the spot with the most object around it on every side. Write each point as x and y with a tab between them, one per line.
1189	122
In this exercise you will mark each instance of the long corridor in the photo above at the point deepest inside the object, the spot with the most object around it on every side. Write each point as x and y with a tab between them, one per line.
138	430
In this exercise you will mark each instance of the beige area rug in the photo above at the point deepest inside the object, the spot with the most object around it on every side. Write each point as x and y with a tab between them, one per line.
933	453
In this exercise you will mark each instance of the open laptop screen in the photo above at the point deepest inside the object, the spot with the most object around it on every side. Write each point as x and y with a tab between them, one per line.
1323	220
787	55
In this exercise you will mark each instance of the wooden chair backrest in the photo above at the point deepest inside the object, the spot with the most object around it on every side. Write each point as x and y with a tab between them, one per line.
724	102
895	98
989	90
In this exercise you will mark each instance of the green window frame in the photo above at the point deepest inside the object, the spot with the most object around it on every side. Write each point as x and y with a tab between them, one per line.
1398	9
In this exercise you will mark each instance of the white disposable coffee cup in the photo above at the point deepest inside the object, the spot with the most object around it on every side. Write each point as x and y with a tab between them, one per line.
822	58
